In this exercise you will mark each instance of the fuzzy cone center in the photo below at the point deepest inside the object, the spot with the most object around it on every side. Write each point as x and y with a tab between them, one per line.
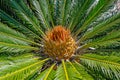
59	43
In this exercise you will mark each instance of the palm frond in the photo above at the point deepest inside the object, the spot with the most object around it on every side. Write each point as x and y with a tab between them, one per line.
6	29
66	71
5	60
8	47
22	71
111	38
105	25
57	11
111	58
80	12
45	75
104	43
16	25
28	18
8	39
16	40
28	27
68	11
105	51
63	11
41	12
108	69
81	69
11	36
61	73
94	12
50	12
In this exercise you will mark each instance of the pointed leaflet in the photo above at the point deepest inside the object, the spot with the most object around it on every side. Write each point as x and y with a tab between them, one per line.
80	11
24	71
67	72
81	69
107	69
9	35
29	20
5	60
8	47
41	11
45	75
94	12
7	19
105	25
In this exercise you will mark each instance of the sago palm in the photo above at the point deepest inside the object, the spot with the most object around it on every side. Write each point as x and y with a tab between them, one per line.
59	40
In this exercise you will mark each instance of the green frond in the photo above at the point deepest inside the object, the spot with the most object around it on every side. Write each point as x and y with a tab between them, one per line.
60	73
57	11
66	71
67	12
63	11
48	2
105	25
28	18
41	12
111	38
107	69
79	14
45	75
105	51
4	28
81	69
24	71
94	12
111	58
16	40
104	43
7	61
8	39
111	35
16	25
24	25
8	47
10	35
52	75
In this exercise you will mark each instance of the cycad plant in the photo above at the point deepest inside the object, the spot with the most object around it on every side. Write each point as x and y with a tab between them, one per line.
59	40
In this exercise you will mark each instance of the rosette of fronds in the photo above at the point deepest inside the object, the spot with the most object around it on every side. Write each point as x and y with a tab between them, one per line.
59	40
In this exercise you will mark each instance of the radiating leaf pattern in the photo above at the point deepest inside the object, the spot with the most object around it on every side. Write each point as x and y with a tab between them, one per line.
24	25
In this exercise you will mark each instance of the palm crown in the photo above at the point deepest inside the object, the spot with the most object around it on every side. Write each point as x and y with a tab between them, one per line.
58	40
